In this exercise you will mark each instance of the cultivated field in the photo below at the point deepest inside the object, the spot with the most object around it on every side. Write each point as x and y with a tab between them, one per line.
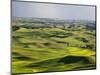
44	45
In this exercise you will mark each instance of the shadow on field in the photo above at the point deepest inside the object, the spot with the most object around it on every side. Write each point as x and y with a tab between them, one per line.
58	61
20	57
74	59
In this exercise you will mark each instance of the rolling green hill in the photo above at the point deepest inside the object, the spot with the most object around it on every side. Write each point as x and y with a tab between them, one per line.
52	49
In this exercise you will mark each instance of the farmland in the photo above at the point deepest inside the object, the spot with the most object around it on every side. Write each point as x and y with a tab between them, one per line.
49	45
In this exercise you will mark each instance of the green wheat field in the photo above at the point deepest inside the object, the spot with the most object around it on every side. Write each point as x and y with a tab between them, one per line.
49	45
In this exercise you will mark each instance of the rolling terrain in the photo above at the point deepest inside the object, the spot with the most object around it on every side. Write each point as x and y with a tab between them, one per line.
52	48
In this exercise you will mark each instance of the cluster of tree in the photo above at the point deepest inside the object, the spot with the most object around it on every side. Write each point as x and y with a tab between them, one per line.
16	27
82	39
89	46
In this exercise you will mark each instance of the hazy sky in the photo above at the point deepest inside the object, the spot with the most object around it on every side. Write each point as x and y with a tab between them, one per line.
43	10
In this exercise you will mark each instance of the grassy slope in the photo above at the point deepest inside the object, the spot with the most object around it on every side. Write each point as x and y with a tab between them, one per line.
41	50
